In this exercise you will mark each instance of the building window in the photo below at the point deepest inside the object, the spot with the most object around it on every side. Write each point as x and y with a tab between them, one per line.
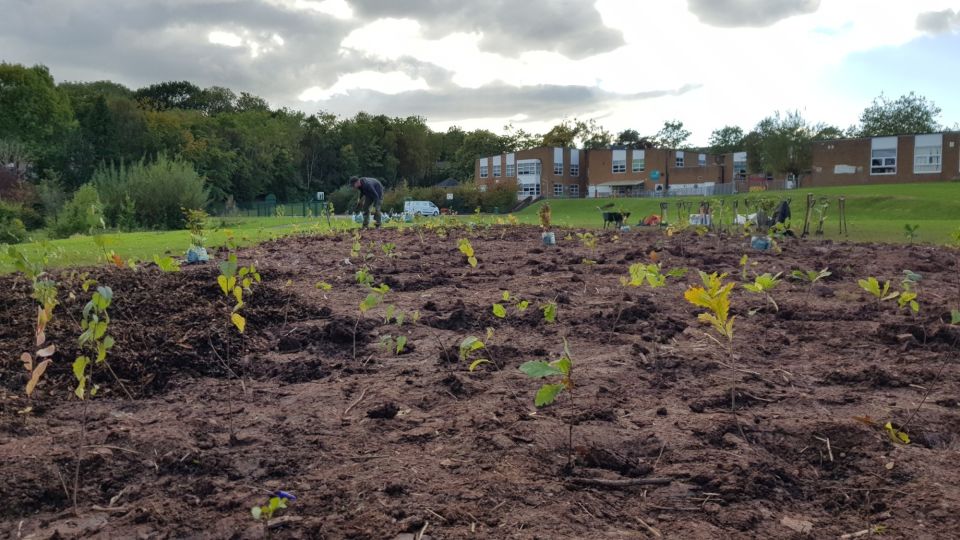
928	154
639	163
575	169
482	188
496	171
528	168
574	190
529	190
511	170
620	165
883	161
558	190
679	161
927	159
483	171
702	160
558	169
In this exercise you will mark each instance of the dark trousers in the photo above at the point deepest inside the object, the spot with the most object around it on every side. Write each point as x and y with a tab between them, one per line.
366	203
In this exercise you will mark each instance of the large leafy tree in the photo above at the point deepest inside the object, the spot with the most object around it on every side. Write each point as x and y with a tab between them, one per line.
32	109
909	113
672	135
726	140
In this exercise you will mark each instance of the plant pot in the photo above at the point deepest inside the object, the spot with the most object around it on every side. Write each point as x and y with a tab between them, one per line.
549	239
762	243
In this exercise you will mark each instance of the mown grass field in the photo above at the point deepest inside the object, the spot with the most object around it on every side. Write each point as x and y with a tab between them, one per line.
874	214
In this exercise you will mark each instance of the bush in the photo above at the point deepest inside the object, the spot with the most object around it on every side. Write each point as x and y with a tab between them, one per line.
12	230
81	215
344	199
150	195
52	196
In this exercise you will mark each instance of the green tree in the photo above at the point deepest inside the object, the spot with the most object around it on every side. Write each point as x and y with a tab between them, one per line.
672	135
726	140
781	144
170	95
32	109
909	113
518	139
476	144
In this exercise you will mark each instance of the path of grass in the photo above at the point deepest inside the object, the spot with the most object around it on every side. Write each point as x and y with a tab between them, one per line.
874	213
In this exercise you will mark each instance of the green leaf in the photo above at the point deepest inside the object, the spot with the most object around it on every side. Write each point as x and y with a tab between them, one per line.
401	343
472	261
955	316
564	364
539	369
468	345
522	306
323	286
499	311
506	296
550	312
80	372
547	394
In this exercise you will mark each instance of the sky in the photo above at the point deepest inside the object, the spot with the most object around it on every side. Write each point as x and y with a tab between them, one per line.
530	63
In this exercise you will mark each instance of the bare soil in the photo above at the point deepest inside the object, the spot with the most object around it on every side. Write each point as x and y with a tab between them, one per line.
380	444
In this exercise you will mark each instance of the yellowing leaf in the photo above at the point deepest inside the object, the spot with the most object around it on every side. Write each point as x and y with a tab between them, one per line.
896	435
238	321
238	294
35	376
499	311
27	361
478	362
222	281
472	261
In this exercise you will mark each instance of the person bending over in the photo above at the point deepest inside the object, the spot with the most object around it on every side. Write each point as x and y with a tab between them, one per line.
371	194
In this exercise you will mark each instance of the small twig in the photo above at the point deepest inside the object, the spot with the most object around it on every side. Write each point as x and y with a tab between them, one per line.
626	482
857	534
226	365
116	509
827	441
662	448
355	403
436	514
125	391
652	530
120	448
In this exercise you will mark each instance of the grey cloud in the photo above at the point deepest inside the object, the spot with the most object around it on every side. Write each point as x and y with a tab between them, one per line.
147	41
749	13
939	22
490	101
570	27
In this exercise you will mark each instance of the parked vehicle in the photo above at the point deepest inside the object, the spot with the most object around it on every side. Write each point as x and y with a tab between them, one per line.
421	208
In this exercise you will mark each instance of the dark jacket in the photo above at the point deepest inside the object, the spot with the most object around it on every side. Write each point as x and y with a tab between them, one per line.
371	189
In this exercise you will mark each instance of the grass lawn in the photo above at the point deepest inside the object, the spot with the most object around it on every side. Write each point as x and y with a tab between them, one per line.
82	250
874	213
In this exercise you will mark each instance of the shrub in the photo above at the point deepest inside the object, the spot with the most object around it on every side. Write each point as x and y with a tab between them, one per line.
150	194
12	230
83	213
343	199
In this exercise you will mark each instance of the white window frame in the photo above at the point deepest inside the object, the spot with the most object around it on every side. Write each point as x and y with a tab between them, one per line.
558	169
496	171
482	188
702	160
558	190
575	169
679	161
483	171
511	170
639	164
619	166
528	190
574	190
883	156
928	154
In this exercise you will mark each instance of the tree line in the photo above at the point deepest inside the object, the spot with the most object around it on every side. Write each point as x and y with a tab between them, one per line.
234	148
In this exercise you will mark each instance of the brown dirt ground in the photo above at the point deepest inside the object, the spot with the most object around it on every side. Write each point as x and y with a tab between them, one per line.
426	443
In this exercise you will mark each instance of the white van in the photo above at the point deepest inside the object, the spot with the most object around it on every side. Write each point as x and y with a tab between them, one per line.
420	208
